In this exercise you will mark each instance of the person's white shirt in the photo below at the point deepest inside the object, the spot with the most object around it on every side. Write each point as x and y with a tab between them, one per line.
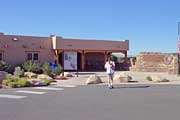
109	67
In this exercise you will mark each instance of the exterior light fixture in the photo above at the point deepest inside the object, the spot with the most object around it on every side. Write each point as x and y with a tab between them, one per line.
15	39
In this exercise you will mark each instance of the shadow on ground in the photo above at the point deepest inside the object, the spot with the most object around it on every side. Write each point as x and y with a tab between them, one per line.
142	86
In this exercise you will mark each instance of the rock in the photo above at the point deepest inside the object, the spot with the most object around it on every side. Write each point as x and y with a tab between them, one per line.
44	76
122	77
93	79
30	75
67	74
59	77
158	78
2	76
36	82
165	80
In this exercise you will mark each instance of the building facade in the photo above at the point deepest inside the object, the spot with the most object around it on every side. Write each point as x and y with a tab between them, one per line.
91	54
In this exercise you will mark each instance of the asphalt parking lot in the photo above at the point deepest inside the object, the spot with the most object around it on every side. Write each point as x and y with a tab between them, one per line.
95	102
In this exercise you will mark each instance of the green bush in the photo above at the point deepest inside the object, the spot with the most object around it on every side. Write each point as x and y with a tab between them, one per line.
5	66
114	58
19	72
12	85
48	71
22	82
47	82
15	81
46	68
58	70
148	78
30	66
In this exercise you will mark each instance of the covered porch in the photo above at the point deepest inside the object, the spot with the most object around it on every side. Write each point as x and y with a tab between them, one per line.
89	60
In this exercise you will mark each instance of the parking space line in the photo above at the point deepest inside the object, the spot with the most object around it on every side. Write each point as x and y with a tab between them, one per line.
12	96
47	88
70	86
30	92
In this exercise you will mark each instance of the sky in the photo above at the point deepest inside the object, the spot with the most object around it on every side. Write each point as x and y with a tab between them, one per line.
149	25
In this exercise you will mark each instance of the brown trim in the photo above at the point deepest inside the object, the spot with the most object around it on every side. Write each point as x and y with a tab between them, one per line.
31	51
88	50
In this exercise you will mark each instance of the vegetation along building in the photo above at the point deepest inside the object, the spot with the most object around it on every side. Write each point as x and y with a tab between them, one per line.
89	54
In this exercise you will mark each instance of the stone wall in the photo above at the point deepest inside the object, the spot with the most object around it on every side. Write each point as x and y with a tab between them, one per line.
155	62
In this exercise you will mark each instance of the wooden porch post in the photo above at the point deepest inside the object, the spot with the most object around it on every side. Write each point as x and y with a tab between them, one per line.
106	56
125	57
56	55
82	60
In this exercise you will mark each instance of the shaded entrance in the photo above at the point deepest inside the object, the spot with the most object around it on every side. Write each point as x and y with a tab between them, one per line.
94	61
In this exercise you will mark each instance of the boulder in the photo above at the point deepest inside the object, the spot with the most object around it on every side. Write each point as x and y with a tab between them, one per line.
93	79
60	77
122	77
67	74
158	78
44	76
36	82
2	76
30	75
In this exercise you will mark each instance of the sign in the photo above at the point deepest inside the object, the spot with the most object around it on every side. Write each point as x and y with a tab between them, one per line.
70	60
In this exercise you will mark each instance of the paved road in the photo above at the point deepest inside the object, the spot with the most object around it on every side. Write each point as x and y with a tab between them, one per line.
96	102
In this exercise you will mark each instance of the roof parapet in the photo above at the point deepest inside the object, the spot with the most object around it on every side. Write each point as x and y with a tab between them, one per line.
1	33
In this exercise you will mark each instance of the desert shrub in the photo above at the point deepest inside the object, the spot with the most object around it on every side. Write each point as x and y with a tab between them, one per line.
19	72
30	66
148	78
22	82
58	70
5	66
12	84
114	58
15	81
46	68
46	81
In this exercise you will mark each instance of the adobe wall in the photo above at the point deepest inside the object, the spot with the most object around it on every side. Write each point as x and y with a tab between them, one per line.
155	62
15	52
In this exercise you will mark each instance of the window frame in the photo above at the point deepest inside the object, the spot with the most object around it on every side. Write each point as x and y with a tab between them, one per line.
32	56
1	54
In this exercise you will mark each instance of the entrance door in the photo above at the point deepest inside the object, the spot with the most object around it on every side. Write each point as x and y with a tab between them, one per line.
94	61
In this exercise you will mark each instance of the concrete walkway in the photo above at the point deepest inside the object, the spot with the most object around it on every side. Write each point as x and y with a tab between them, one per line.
140	77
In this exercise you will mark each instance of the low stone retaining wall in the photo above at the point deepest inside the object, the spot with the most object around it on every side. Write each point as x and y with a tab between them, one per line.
155	62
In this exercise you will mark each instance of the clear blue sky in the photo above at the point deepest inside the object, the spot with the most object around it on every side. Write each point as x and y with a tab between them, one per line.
150	25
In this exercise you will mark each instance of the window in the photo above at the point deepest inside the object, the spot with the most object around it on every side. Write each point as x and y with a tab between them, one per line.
35	56
32	56
1	56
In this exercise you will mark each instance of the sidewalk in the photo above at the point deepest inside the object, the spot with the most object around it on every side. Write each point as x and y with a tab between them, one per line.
136	76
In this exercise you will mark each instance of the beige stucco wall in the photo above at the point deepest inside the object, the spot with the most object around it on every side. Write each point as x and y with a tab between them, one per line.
15	52
77	44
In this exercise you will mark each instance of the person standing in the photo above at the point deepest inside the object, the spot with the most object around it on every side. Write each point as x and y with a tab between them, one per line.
110	68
